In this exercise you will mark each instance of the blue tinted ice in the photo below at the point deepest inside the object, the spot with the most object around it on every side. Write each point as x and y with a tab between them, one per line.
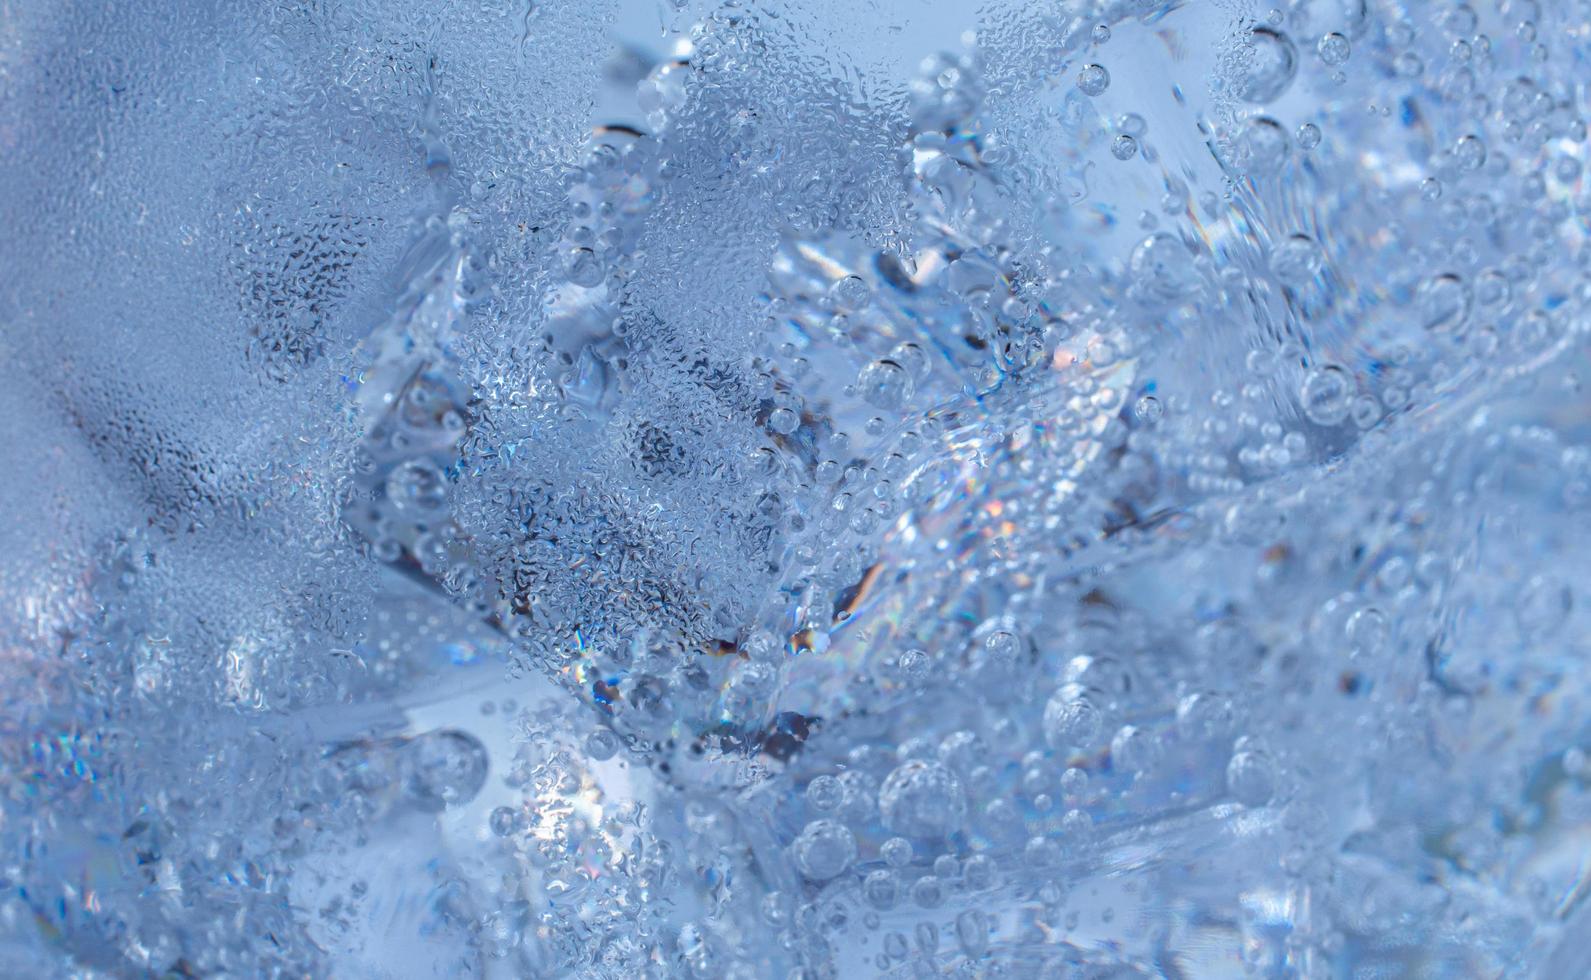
725	488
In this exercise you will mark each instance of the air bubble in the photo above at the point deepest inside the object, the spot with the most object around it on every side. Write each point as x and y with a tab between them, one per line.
922	799
444	769
1443	302
1469	153
1093	80
1162	266
1148	410
1071	720
1263	148
884	384
1271	61
602	745
1251	777
824	850
1333	49
1326	395
1297	260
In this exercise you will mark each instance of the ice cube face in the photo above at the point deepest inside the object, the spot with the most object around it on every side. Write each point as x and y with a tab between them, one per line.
753	489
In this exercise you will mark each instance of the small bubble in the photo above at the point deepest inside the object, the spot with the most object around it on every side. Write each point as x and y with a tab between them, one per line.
506	821
1333	49
825	793
880	889
824	850
1093	80
1134	749
896	852
1263	147
884	384
1492	289
1071	720
1251	777
1543	607
1148	409
1470	153
928	892
1366	411
1101	33
914	665
1124	147
1297	260
1002	646
444	768
922	799
1326	395
783	421
584	268
1367	631
972	932
850	293
1443	302
416	485
1269	67
602	745
1163	266
1308	136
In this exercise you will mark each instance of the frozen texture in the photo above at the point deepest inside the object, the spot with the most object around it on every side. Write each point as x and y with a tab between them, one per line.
747	489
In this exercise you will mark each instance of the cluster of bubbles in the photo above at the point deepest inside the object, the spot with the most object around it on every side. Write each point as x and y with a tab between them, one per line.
1107	499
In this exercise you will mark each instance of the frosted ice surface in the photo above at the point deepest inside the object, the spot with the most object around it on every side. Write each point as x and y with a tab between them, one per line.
724	488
